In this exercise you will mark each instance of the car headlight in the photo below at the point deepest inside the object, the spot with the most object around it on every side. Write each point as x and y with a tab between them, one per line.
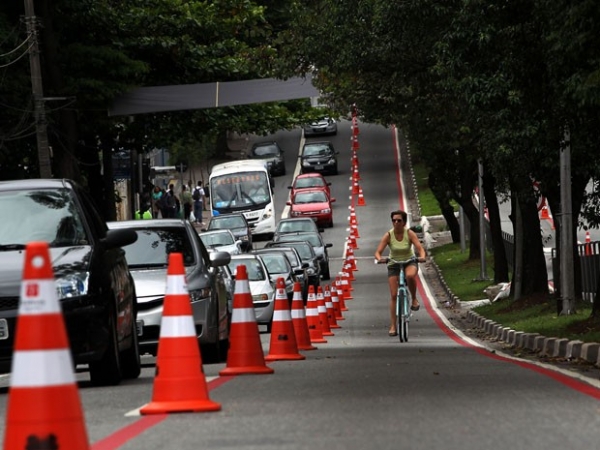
305	163
260	298
295	213
244	238
199	294
331	161
268	213
73	285
310	271
325	211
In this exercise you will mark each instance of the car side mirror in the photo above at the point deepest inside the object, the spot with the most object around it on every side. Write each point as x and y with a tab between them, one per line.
321	229
120	238
332	200
328	245
288	203
329	183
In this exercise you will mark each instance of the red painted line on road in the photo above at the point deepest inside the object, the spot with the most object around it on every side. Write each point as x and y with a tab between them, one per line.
131	431
572	383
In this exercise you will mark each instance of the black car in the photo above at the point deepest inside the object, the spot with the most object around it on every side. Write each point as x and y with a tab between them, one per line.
298	266
315	239
308	255
270	152
237	224
319	157
148	262
93	284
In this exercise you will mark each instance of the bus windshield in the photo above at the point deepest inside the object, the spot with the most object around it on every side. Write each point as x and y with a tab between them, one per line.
240	191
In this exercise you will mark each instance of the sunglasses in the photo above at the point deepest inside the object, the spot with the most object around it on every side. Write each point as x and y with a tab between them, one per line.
397	220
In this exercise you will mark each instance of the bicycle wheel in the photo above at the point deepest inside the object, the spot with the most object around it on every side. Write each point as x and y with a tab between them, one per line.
403	315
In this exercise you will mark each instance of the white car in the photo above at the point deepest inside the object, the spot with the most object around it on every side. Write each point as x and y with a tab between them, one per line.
221	241
261	286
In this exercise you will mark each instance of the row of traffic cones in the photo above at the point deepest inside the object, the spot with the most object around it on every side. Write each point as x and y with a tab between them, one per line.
44	409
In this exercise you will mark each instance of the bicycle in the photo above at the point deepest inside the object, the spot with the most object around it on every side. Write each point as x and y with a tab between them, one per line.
403	299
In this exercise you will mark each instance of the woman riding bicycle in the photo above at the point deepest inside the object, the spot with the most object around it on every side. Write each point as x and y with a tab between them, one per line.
401	241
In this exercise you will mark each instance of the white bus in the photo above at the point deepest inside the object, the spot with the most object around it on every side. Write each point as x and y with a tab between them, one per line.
246	187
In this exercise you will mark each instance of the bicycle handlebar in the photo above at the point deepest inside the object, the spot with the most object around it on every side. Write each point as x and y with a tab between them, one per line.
394	261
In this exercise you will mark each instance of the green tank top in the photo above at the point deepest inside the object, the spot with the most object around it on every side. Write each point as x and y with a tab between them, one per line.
400	250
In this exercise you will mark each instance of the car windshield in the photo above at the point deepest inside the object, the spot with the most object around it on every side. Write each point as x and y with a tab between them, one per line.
310	197
275	263
309	182
253	267
316	150
226	223
265	150
48	215
154	245
217	239
240	190
290	226
304	250
312	239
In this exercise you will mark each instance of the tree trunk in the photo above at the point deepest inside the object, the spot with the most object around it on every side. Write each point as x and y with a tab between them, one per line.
500	262
445	206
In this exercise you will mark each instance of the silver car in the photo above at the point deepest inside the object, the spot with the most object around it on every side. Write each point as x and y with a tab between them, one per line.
261	287
222	241
321	127
147	259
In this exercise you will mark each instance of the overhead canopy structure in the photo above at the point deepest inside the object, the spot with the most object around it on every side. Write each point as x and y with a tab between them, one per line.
210	95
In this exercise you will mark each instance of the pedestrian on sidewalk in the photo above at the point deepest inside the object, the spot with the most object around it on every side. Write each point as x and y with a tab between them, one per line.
187	202
198	197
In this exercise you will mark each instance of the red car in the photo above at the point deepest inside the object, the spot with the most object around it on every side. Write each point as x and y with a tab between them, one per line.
314	203
310	181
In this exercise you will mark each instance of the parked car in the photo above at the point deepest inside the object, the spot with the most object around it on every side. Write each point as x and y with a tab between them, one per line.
237	224
321	127
299	267
261	287
312	180
279	266
316	242
295	224
94	286
222	241
272	153
319	157
148	259
308	255
314	204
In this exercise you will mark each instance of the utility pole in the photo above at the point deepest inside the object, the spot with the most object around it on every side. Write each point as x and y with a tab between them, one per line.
567	275
38	92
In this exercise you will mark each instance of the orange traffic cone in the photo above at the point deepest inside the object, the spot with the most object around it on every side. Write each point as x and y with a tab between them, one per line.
312	318
44	409
588	243
355	145
355	187
329	307
325	328
361	198
299	320
336	303
340	293
346	286
351	259
179	385
245	354
355	131
283	339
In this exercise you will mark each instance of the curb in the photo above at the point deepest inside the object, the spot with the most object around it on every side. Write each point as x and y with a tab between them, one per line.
545	346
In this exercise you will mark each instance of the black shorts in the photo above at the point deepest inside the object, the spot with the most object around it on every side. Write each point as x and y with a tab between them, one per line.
394	269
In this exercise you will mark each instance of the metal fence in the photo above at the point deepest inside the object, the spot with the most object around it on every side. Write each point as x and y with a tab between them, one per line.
589	259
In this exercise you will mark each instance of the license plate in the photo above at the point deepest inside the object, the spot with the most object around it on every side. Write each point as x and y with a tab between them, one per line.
319	167
3	329
140	327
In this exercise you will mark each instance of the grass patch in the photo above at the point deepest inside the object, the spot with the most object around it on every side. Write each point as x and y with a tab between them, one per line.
429	205
461	274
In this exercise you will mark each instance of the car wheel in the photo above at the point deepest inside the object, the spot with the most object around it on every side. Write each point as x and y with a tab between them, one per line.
107	371
130	358
326	273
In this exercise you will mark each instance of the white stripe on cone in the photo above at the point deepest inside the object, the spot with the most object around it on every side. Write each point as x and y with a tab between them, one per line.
176	285
243	315
177	326
57	364
38	297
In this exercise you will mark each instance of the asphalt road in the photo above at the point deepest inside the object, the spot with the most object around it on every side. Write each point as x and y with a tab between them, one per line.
362	389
